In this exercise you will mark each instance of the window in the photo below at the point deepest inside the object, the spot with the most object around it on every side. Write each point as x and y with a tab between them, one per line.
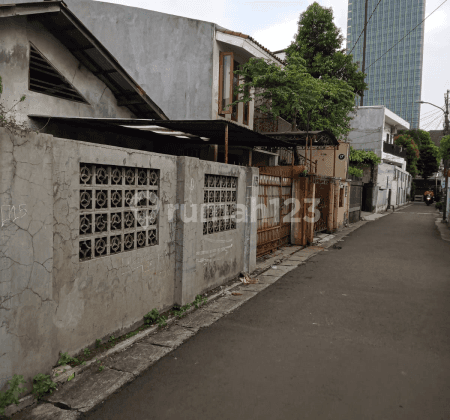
225	82
234	112
118	209
220	200
341	197
45	79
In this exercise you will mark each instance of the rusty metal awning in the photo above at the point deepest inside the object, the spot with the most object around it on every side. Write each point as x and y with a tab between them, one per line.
200	132
298	138
87	49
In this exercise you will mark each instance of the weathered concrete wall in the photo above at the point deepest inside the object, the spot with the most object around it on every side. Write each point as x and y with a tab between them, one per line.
392	178
169	56
16	33
52	301
368	129
325	160
343	211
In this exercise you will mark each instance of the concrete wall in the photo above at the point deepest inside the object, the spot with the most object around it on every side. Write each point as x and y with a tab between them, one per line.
325	158
368	129
390	177
343	211
16	33
50	301
169	56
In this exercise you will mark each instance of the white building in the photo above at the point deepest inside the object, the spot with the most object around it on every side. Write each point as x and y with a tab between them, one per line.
374	129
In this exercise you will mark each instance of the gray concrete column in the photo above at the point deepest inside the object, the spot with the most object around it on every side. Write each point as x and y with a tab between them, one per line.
251	236
188	232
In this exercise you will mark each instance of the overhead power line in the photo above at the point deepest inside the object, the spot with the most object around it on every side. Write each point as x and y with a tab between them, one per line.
424	119
379	58
365	26
429	112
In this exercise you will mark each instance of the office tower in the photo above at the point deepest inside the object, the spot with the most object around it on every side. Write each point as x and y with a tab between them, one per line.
395	80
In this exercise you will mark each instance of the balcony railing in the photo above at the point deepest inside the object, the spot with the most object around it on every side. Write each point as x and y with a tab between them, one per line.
393	149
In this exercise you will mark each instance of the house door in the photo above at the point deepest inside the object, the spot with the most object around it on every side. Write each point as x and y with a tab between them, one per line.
389	200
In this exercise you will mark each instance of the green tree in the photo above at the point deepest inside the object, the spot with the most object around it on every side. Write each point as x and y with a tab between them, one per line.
412	152
428	162
420	137
317	84
444	148
320	42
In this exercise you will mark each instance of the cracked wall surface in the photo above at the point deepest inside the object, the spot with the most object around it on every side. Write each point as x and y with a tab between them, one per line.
52	302
26	253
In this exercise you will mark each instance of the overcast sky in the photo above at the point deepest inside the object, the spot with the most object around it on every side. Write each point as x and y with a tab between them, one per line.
273	23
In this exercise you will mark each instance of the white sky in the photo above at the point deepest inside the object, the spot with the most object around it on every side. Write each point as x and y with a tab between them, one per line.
273	23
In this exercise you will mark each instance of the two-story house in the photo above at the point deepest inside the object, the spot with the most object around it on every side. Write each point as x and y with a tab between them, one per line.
374	129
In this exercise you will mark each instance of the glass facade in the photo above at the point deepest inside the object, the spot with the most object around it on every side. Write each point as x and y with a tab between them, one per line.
396	79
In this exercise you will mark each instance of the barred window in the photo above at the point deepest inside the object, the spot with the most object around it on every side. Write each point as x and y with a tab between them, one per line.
118	209
220	200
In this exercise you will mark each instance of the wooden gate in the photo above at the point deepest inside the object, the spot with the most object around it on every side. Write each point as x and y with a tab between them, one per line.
323	196
273	214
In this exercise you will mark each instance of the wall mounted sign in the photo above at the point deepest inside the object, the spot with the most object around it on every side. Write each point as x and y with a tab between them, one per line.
341	156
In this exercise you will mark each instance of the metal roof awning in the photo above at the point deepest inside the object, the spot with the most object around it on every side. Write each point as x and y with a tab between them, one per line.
201	132
70	31
322	138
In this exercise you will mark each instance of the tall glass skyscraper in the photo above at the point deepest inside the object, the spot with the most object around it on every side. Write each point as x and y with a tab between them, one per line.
396	79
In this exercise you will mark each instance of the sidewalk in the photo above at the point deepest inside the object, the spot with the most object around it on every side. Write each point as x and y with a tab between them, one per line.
129	359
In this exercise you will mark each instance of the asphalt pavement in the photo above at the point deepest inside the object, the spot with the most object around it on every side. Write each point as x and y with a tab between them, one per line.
361	332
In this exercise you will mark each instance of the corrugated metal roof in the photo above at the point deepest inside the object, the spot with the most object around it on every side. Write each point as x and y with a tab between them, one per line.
202	132
71	32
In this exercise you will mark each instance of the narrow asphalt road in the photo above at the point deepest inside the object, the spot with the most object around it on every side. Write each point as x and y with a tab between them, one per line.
361	332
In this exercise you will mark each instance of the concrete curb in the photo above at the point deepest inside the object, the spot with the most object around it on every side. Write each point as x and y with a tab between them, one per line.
90	387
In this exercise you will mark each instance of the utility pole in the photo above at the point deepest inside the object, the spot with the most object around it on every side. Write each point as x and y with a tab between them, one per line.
446	133
364	49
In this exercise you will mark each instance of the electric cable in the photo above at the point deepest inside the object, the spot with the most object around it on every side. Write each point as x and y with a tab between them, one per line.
365	27
379	58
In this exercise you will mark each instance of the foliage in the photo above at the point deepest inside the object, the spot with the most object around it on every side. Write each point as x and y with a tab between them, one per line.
11	396
199	301
421	137
65	359
320	43
86	352
428	162
363	157
151	317
439	205
162	321
412	152
444	148
98	343
180	311
353	170
316	88
42	384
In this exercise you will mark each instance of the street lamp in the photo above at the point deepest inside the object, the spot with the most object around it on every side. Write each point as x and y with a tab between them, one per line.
446	132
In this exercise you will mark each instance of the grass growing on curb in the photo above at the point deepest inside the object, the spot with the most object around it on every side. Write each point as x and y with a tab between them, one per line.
42	384
11	395
151	319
